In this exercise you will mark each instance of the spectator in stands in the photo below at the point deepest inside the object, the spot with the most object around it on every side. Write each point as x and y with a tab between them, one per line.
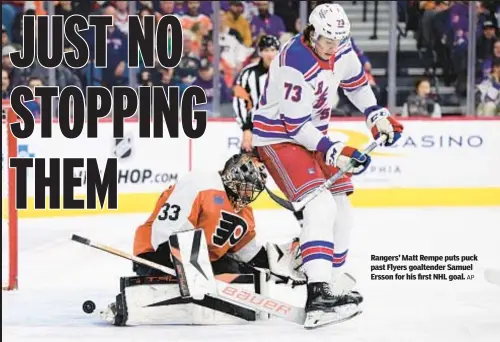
9	11
166	7
200	32
21	76
420	103
193	16
5	36
265	22
114	74
232	48
5	84
146	4
484	47
121	16
6	63
237	22
224	66
488	63
205	80
65	9
145	78
66	76
187	70
34	105
488	94
206	7
180	7
17	33
145	10
167	80
187	47
431	9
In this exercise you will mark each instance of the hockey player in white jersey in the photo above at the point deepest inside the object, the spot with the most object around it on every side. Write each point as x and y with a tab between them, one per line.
289	132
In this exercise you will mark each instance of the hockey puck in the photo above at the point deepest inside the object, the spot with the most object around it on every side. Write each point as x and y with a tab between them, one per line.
88	306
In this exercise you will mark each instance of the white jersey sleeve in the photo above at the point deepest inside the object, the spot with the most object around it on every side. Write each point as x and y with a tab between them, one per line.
174	216
296	97
355	82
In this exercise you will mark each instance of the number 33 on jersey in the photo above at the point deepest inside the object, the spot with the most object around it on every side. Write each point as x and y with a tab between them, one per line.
199	200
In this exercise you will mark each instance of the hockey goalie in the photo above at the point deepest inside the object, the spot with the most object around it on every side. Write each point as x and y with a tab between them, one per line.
218	205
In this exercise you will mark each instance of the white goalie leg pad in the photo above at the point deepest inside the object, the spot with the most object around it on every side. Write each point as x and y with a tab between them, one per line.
162	304
192	264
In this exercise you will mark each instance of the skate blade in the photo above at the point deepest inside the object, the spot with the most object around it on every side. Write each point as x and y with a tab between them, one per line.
318	319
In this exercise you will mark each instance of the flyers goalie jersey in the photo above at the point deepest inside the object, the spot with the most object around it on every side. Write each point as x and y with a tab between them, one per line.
199	201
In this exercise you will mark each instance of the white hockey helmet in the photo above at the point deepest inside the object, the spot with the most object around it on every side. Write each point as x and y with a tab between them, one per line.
330	21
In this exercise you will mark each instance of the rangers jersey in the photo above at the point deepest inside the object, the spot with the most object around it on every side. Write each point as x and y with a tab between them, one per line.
299	94
199	200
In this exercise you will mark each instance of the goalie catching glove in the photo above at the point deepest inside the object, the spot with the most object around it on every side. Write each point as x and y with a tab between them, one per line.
285	263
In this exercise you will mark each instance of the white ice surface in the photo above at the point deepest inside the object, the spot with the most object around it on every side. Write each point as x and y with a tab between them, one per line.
58	275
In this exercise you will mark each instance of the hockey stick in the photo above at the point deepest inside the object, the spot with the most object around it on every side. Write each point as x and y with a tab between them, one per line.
297	206
238	296
492	276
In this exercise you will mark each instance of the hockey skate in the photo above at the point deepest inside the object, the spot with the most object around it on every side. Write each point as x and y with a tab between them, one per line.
324	308
343	285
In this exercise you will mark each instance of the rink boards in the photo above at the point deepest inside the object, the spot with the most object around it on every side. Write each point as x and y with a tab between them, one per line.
436	163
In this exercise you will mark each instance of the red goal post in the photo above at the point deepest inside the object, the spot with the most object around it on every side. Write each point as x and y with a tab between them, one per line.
9	211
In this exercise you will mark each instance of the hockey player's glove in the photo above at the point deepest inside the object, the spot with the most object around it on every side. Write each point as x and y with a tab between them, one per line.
340	156
380	122
285	263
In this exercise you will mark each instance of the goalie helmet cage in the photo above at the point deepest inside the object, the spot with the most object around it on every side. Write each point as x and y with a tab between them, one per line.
9	212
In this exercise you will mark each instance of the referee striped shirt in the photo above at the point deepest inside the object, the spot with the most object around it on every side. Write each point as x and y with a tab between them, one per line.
247	89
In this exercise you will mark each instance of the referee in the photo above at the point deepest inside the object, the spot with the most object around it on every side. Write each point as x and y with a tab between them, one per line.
249	85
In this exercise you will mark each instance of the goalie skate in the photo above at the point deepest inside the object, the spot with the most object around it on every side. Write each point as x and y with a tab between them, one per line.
325	308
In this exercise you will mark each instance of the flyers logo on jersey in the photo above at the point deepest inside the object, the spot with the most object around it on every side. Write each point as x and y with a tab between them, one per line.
231	228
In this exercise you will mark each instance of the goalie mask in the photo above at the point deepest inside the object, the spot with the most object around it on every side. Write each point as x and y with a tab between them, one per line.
244	178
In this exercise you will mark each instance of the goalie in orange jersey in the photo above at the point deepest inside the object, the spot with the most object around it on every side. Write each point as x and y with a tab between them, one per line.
218	203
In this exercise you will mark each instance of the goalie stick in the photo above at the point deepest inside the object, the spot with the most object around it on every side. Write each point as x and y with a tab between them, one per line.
246	299
299	205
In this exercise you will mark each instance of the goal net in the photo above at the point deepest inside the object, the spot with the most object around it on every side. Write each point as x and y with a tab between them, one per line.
9	213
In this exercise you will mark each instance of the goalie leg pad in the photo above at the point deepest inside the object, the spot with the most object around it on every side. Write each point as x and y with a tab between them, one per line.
158	301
